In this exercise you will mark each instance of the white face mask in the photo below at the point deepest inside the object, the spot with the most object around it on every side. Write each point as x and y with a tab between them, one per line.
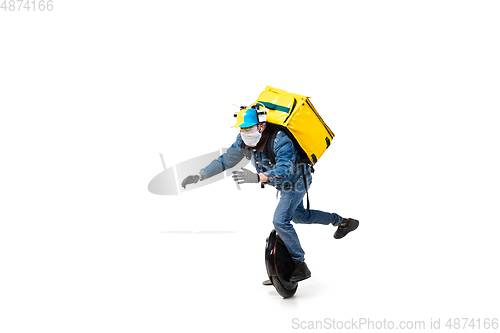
251	137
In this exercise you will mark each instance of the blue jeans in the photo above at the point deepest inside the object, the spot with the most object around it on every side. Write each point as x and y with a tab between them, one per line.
290	208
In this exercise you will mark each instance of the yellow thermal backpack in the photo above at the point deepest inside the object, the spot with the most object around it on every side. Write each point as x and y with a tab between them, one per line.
296	115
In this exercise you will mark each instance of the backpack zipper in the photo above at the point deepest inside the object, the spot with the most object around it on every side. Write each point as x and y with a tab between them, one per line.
321	119
291	110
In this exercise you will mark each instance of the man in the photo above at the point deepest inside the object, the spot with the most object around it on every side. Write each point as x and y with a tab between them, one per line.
286	174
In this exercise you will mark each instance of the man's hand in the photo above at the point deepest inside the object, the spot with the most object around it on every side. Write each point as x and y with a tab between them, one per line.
245	176
190	180
263	178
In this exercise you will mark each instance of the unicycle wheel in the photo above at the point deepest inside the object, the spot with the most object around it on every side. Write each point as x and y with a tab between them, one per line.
279	266
285	293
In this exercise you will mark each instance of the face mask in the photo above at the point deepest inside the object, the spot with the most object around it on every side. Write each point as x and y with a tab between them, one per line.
251	137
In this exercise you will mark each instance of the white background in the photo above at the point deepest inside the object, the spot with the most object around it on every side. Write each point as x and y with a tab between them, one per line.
93	91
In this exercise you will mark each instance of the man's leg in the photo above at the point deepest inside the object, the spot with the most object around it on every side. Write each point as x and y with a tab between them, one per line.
302	215
289	200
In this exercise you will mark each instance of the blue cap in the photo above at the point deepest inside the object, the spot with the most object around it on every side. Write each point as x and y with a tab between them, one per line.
246	118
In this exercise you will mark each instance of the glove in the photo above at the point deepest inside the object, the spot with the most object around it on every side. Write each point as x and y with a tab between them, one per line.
190	180
245	176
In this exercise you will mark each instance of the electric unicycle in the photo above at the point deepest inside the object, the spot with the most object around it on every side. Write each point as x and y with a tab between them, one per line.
279	266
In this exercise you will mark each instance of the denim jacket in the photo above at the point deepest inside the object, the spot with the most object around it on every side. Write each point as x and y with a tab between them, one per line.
284	173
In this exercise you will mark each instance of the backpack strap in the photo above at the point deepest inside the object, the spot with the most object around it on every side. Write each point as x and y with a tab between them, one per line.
303	162
305	185
270	146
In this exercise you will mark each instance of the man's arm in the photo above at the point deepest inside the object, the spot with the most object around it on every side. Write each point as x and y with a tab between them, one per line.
226	161
285	159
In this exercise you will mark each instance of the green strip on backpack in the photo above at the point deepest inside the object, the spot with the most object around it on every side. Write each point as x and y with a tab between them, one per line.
275	107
